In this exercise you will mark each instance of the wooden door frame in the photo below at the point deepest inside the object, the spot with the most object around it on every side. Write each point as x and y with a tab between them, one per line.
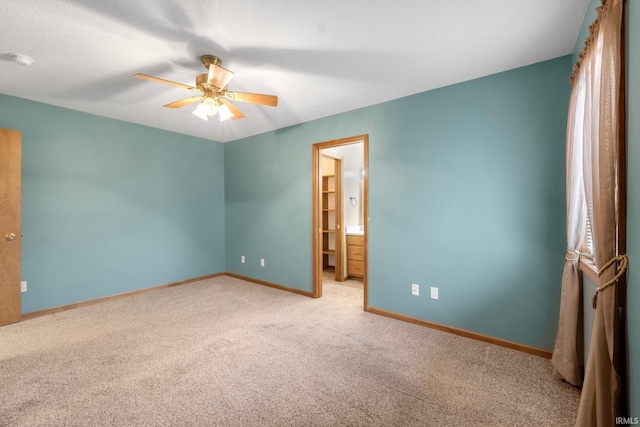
316	203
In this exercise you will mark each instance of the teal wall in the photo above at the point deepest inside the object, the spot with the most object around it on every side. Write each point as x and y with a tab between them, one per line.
633	202
110	207
589	16
466	194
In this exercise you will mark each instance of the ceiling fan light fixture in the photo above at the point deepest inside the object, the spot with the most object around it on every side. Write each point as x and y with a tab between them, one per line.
224	112
200	112
207	107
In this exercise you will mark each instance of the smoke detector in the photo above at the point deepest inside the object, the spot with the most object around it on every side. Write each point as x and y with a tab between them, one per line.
20	59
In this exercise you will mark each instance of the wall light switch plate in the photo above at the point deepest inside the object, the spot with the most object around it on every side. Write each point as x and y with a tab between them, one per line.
242	259
434	293
23	286
261	262
415	289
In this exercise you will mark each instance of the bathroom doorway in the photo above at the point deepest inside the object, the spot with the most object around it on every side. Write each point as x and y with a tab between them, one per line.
340	214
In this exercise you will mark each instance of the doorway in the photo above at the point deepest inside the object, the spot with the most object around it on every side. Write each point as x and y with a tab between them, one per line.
10	237
340	212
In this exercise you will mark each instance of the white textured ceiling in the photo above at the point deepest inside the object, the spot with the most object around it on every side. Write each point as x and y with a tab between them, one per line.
319	57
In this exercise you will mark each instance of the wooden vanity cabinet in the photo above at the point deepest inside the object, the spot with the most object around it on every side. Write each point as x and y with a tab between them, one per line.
355	256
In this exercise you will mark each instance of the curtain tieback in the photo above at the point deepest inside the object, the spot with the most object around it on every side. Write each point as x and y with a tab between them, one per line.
572	255
624	262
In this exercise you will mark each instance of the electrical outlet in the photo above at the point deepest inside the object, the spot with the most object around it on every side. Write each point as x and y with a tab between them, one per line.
415	289
242	259
434	293
261	262
23	286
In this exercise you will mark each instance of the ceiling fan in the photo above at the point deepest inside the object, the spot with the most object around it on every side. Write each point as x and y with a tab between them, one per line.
215	95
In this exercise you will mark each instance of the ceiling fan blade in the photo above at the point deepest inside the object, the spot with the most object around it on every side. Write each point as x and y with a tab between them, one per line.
167	82
184	102
218	76
237	114
254	98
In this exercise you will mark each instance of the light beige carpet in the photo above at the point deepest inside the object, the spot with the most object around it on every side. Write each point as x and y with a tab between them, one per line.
230	353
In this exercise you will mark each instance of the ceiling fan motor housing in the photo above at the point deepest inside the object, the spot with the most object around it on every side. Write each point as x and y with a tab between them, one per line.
210	59
201	79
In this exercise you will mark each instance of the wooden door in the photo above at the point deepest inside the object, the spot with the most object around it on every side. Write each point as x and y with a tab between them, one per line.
10	252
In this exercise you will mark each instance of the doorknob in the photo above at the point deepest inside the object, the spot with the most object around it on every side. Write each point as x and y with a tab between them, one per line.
10	236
